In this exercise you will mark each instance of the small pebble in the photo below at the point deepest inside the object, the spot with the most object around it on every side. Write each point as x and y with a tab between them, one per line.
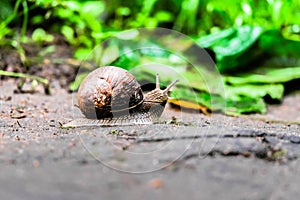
156	183
36	163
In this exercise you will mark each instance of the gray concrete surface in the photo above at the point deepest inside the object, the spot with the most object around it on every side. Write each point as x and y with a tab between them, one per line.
198	157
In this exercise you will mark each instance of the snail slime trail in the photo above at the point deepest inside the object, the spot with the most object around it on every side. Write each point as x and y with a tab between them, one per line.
111	96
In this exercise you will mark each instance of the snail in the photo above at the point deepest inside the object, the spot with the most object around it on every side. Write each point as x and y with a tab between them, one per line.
112	96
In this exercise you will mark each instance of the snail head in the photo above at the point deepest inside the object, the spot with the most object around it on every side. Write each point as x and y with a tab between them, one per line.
157	95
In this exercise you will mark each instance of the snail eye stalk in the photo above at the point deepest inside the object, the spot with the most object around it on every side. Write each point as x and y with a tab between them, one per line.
157	81
165	91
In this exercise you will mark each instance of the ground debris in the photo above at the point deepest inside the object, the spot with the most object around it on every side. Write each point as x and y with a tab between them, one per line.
156	183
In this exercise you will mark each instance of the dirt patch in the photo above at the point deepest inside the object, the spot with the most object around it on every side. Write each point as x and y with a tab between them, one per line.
53	63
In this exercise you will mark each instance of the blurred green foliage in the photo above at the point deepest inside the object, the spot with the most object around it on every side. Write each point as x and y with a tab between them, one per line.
238	32
86	23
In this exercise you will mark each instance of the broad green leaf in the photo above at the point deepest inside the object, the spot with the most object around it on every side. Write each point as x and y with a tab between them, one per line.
276	75
275	91
127	60
274	43
6	9
243	104
233	47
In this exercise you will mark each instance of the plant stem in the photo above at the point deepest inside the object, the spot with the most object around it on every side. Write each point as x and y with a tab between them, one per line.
22	75
25	21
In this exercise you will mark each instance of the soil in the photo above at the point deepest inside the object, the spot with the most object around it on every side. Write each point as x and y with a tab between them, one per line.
57	65
186	154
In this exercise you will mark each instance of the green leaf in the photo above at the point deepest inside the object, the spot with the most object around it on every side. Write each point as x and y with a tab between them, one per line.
233	47
272	75
82	53
95	8
123	11
127	60
274	43
216	102
39	35
163	16
245	105
6	9
68	32
275	91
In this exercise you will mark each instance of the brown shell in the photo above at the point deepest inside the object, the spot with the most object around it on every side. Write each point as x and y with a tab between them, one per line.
109	92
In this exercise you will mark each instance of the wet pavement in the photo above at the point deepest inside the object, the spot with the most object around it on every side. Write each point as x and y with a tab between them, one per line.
195	156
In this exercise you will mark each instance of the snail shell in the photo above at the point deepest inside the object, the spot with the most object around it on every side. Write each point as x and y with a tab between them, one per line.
114	97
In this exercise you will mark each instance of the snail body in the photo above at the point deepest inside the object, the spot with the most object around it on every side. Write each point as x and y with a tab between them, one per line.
112	96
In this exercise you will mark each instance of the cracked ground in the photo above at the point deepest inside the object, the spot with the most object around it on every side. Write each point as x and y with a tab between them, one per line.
186	155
